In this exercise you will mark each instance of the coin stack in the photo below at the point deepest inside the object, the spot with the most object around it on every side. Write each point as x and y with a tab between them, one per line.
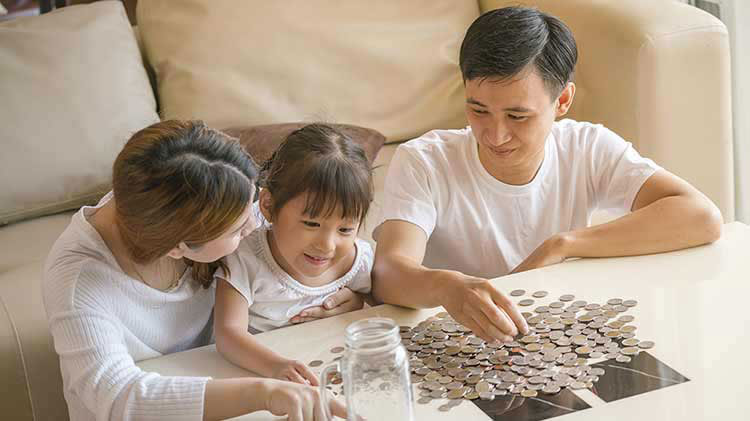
447	361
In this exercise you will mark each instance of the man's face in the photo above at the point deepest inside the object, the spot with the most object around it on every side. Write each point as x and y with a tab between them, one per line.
511	120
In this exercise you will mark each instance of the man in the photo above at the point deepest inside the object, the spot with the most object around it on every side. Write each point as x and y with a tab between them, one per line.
515	190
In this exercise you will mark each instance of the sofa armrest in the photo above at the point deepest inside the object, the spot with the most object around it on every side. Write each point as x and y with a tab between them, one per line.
657	72
15	403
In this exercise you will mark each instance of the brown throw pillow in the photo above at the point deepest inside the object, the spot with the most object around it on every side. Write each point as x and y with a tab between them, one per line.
261	141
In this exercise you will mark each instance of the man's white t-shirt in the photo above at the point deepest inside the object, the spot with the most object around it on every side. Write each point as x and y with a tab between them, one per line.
483	227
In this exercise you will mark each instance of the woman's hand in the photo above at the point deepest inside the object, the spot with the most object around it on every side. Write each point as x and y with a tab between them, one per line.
299	402
294	371
343	301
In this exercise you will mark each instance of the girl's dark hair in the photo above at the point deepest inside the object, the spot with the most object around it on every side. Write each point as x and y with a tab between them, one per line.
180	181
503	42
325	163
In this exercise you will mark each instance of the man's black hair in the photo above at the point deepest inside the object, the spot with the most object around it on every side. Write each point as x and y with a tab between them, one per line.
503	42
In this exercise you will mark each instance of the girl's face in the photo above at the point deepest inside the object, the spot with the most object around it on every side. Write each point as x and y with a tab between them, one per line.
226	243
305	247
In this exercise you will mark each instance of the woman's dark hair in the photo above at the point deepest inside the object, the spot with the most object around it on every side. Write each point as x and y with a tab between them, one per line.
325	163
503	42
180	181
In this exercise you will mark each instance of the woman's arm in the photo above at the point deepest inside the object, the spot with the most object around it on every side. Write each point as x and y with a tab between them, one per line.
238	346
227	398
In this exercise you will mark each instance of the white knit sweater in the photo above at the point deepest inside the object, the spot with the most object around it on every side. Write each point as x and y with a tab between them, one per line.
103	321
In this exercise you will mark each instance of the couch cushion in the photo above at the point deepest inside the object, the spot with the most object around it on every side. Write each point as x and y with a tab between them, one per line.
261	141
390	65
29	241
21	292
73	90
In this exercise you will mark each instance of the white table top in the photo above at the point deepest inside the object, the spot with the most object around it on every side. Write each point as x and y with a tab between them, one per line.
695	304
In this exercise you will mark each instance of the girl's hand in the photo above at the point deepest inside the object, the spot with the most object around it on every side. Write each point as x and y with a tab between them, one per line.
299	402
294	371
343	301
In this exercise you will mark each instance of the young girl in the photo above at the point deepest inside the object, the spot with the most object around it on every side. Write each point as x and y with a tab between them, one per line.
317	188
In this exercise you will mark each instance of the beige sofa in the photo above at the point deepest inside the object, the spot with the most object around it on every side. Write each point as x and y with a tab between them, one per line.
657	72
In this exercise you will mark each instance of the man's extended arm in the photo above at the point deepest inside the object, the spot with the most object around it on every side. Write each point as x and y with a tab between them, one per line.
667	214
400	278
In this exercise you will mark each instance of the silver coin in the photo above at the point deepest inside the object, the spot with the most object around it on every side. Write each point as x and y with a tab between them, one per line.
623	359
539	294
315	363
614	301
646	344
424	400
517	292
445	407
437	394
630	303
337	349
486	396
567	297
526	302
551	389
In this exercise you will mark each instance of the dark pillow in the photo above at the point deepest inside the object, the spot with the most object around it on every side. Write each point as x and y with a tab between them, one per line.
261	141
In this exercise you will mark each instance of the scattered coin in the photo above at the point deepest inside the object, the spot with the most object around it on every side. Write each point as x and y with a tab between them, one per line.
316	363
448	362
337	349
528	393
646	344
517	292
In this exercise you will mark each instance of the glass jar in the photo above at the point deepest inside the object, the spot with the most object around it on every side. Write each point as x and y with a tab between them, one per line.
375	371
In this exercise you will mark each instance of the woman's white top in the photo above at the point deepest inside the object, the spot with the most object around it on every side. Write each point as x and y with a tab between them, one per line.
102	322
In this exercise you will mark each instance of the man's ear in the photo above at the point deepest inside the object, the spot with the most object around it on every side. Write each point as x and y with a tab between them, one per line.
565	100
178	252
265	203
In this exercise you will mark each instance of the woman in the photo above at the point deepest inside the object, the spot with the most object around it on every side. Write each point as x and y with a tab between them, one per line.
131	278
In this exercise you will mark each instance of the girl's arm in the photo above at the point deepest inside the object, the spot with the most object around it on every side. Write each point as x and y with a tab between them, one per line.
238	346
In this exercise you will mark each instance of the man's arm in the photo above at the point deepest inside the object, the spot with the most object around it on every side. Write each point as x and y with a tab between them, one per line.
667	214
398	277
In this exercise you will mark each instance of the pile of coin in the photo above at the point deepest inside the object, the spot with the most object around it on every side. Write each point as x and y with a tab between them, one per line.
447	361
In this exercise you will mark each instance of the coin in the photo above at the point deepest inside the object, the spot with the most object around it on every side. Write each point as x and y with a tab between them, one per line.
448	361
567	297
424	400
614	301
623	359
539	294
646	344
517	292
630	303
528	393
526	302
315	363
337	349
486	396
457	393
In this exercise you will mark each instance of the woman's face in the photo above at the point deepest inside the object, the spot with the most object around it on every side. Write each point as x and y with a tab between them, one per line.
226	243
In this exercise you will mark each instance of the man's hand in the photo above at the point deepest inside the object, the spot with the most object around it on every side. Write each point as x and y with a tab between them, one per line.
550	252
476	304
294	371
343	301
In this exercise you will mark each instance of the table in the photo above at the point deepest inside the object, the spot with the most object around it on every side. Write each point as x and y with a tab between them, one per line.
694	303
